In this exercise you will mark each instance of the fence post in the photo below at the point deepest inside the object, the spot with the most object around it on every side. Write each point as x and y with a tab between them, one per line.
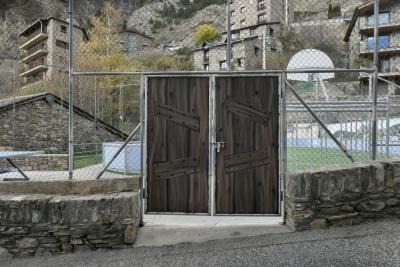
228	36
375	82
70	94
283	146
142	107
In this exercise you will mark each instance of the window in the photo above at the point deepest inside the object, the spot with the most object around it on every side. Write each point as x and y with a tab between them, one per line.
334	11
222	65
62	44
384	42
206	67
63	28
233	26
242	23
232	13
252	31
242	9
271	32
239	62
256	50
262	18
206	55
384	65
261	5
384	18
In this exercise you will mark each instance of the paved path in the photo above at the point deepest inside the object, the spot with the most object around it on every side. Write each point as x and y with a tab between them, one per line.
376	244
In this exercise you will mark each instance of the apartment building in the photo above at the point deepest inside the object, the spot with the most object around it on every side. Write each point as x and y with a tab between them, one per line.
45	48
255	28
361	43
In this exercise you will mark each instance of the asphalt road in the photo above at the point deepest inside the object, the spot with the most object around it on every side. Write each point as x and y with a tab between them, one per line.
375	244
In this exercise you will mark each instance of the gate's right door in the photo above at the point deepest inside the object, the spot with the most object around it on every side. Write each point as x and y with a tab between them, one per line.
248	132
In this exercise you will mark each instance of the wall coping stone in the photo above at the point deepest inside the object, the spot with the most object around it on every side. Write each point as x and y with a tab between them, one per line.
71	187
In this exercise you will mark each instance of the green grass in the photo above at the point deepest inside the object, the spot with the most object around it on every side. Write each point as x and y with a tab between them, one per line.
87	160
309	158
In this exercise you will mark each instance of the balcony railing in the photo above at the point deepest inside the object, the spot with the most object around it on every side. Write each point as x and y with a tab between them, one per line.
386	25
40	46
39	62
33	39
34	33
387	46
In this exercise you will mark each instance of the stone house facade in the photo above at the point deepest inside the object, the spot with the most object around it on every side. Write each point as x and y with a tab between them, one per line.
134	42
45	49
255	28
246	55
360	40
255	12
41	124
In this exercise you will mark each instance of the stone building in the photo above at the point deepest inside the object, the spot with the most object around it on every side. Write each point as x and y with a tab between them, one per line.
41	124
134	42
255	12
45	48
360	39
255	28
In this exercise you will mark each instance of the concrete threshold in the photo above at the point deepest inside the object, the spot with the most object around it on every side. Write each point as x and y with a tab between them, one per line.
161	230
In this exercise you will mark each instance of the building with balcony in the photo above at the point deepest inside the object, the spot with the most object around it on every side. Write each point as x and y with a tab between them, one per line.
44	46
361	43
256	26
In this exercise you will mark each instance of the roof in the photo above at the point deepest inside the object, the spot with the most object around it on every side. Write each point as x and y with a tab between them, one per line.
363	10
23	100
253	26
47	20
132	30
205	46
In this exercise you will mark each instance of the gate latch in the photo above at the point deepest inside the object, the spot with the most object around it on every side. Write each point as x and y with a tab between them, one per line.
219	146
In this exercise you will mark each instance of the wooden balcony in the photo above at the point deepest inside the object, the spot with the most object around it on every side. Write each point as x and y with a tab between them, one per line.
35	67
33	41
383	29
35	52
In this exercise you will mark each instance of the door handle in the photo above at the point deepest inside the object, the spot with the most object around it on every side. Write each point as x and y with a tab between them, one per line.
219	146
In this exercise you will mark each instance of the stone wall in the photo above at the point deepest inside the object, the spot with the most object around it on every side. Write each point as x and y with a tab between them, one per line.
42	224
343	196
45	162
43	126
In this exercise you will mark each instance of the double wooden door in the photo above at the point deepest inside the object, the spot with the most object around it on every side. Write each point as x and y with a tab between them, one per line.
178	147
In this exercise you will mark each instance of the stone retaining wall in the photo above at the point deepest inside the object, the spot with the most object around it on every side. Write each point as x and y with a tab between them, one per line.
44	162
42	224
343	196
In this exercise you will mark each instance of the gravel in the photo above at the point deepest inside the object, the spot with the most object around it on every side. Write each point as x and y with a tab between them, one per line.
374	244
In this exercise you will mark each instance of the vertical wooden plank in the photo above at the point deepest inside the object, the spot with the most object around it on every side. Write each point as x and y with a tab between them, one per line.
158	146
199	149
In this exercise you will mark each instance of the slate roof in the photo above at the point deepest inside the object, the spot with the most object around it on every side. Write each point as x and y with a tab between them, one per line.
24	100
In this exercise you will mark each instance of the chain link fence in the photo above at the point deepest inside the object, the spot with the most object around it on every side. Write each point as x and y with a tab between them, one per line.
196	35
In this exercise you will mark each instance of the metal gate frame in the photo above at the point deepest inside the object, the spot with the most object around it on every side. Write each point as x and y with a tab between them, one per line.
212	138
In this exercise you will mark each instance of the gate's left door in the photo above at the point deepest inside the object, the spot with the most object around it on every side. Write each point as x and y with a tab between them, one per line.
177	144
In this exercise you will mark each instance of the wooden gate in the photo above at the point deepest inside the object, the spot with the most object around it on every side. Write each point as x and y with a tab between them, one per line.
177	142
246	127
247	133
